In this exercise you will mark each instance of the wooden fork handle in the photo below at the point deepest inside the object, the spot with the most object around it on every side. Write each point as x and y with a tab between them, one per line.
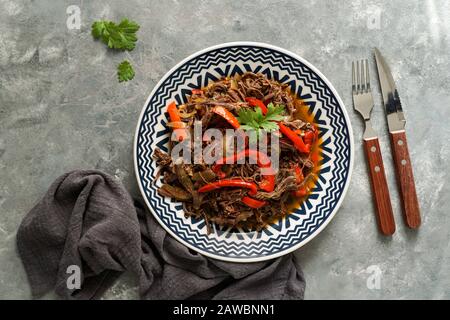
405	179
380	188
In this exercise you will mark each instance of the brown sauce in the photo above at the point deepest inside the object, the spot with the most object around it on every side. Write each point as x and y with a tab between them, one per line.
315	155
302	113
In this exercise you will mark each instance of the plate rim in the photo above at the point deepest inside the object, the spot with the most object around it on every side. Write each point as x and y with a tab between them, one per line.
349	127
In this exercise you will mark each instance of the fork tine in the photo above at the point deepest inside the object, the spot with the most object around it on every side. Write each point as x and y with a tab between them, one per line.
363	77
367	75
353	77
358	80
362	95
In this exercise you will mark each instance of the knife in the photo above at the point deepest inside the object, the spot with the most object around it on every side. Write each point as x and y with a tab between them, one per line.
396	123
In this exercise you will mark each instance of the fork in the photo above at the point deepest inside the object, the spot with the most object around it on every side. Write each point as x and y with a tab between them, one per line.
363	103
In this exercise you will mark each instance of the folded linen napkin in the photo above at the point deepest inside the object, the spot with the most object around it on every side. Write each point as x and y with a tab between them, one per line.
89	220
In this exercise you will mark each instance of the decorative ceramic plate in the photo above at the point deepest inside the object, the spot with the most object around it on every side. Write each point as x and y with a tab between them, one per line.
298	227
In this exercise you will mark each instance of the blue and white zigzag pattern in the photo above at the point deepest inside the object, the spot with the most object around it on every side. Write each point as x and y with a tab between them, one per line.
297	226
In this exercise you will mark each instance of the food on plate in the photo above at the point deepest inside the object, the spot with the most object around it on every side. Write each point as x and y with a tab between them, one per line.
243	189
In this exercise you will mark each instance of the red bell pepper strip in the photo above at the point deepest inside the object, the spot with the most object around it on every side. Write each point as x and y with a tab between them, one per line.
261	158
315	158
309	137
257	103
218	171
298	141
267	181
230	183
175	118
253	203
301	192
227	115
197	91
298	174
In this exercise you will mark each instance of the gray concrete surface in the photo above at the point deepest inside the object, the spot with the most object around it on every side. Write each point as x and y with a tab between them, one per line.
61	108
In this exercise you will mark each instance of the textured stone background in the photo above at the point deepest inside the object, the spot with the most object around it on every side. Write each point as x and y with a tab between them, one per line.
61	108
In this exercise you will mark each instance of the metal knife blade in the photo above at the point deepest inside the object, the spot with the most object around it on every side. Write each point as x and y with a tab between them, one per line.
391	100
400	152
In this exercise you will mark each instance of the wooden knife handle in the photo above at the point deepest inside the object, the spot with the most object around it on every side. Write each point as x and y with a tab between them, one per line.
405	179
380	188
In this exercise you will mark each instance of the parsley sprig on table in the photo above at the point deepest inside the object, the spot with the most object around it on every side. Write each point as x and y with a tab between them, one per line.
125	71
253	120
120	36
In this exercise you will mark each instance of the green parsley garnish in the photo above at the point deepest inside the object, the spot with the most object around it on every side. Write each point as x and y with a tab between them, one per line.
120	36
125	71
255	122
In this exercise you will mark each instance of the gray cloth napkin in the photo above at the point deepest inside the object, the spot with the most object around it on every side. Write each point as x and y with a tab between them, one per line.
89	220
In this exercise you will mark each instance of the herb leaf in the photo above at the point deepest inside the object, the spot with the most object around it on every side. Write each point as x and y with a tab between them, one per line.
120	36
245	116
269	126
274	112
125	71
255	122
